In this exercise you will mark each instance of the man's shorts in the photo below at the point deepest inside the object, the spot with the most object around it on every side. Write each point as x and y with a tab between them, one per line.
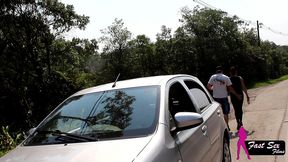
224	104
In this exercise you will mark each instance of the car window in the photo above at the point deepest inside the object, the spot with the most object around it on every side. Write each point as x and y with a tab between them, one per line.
179	100
201	97
111	114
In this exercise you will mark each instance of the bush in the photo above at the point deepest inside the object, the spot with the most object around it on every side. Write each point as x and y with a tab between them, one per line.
9	141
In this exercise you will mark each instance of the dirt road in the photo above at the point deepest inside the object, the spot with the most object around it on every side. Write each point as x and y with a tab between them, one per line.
266	118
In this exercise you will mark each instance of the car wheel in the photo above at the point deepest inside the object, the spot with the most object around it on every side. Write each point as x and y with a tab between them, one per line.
226	151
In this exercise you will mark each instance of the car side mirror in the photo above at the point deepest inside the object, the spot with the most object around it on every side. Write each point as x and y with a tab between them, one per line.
186	120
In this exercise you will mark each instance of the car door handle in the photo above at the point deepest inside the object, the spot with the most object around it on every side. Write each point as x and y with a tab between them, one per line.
204	130
218	111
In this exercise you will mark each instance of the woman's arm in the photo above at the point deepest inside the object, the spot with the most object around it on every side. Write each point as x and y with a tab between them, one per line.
245	90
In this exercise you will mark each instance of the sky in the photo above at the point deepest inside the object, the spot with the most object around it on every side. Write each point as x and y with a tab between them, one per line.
147	16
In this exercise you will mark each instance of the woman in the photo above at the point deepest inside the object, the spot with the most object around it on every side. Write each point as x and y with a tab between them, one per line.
239	87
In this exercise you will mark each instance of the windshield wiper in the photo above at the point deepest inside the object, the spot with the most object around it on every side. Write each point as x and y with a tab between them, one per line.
77	137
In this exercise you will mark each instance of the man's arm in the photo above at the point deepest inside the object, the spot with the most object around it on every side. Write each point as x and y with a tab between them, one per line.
209	86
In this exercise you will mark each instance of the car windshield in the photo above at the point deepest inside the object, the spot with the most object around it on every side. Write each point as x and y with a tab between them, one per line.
122	113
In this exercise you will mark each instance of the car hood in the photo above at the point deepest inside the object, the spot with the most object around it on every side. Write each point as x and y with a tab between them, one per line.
100	151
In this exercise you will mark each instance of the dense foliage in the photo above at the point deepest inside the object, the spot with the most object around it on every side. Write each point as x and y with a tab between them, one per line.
39	67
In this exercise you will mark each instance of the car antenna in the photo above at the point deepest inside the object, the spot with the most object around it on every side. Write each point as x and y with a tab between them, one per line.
115	81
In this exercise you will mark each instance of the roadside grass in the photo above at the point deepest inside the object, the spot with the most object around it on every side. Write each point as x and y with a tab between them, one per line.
2	153
268	82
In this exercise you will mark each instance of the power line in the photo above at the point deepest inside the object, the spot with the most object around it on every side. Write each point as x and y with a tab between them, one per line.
214	8
244	20
205	4
272	30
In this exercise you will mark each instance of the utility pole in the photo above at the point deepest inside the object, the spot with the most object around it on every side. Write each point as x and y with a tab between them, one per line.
258	33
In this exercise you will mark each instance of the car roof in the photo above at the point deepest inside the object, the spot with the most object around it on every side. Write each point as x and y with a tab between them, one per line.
137	82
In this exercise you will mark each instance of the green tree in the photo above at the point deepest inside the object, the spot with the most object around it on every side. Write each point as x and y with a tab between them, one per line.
115	39
163	51
184	58
28	29
140	59
216	38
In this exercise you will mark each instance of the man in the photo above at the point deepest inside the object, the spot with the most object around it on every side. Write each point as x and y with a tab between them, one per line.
221	84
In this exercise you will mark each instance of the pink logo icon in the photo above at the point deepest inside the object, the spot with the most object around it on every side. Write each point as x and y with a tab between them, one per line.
241	142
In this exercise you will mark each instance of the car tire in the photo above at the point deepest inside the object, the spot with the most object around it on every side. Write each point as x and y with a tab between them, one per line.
226	157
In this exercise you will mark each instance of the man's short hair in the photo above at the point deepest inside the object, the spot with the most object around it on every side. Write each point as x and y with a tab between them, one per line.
219	69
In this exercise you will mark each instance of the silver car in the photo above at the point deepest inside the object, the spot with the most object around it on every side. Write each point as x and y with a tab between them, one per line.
168	118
